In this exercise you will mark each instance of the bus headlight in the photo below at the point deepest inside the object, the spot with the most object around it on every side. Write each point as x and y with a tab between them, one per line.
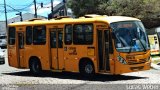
122	60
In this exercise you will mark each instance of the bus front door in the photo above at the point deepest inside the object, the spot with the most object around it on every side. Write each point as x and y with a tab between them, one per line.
103	50
56	45
21	49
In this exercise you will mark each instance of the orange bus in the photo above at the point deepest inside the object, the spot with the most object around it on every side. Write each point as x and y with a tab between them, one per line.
89	44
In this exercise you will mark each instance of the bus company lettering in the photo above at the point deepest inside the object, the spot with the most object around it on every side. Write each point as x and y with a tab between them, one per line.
72	51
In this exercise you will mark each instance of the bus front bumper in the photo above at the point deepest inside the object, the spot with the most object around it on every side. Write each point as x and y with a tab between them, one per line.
132	68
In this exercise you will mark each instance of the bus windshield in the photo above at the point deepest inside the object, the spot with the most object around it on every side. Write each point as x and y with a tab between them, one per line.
130	36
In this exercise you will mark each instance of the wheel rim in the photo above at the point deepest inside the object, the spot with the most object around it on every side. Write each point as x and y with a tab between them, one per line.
88	69
35	67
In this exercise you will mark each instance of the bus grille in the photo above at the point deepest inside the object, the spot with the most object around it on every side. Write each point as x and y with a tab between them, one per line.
139	61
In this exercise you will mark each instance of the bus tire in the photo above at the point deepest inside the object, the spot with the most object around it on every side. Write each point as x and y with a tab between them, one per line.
87	69
35	67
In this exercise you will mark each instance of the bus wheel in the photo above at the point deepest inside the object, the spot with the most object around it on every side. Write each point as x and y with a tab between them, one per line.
35	67
87	69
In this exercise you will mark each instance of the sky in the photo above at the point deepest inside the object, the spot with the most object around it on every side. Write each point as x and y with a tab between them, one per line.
25	6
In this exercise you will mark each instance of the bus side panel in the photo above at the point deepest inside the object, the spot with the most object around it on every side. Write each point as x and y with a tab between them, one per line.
12	56
44	53
73	55
112	64
28	54
41	52
70	59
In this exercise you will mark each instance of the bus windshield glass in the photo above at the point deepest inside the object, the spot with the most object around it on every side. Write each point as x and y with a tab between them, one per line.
130	36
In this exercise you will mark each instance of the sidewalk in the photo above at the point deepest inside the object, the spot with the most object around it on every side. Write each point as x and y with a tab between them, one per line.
155	61
155	66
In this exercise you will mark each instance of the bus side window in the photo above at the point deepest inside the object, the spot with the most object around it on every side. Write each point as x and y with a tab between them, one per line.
28	35
68	34
83	34
39	35
12	34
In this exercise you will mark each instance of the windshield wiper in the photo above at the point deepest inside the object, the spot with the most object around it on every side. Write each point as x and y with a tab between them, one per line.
119	40
142	45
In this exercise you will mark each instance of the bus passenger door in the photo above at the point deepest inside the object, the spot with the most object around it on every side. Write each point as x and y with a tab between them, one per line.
103	50
56	44
21	49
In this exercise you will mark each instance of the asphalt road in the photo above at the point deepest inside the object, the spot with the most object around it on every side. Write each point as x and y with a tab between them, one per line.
20	79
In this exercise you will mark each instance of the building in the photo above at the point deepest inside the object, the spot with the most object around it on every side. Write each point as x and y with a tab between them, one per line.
58	10
61	10
26	16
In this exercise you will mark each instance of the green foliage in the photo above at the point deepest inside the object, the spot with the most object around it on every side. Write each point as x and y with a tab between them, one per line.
134	8
147	10
82	7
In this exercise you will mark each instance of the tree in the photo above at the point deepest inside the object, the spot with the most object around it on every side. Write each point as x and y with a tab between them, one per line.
146	10
82	7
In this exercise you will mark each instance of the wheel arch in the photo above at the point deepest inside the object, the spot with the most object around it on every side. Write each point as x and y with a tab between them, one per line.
85	59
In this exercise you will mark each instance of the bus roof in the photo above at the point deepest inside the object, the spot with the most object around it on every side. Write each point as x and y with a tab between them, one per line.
85	19
112	19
